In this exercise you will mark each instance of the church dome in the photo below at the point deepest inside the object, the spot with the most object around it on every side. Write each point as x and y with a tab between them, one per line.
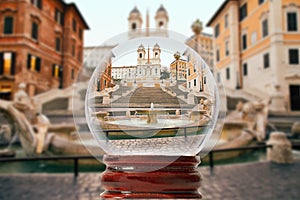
162	14
135	10
161	9
141	46
156	46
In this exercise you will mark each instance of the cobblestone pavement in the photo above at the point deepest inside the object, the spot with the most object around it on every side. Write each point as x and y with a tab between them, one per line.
253	181
154	146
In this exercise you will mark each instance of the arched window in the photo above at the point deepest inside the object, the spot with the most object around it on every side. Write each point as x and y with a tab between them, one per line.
161	24
141	55
133	26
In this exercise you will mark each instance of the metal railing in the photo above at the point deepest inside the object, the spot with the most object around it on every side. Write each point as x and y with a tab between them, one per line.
245	148
53	158
77	158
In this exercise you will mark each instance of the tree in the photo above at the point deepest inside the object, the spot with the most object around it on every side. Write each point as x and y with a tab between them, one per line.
164	74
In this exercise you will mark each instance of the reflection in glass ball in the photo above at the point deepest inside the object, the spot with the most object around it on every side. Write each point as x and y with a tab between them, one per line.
152	96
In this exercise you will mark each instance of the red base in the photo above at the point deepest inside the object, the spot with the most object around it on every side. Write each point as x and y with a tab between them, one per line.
132	177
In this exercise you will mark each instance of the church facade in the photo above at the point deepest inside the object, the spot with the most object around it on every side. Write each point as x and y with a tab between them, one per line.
148	66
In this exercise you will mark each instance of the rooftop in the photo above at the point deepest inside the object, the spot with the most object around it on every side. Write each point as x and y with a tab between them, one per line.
218	12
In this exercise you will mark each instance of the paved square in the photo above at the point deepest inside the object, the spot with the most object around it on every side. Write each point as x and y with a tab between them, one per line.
251	181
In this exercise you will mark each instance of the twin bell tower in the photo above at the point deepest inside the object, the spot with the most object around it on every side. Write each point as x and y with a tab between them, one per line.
135	23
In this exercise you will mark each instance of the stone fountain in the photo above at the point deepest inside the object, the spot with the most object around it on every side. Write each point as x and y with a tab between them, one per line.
34	130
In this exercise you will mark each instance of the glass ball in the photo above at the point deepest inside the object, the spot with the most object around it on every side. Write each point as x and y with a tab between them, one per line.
150	96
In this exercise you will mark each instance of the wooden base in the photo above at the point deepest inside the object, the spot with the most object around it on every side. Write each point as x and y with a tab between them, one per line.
151	177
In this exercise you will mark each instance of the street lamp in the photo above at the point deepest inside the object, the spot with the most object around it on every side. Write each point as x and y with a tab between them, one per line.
125	77
98	84
61	82
177	57
135	74
202	84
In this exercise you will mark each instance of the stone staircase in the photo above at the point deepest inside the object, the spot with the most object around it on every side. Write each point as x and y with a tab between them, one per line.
122	89
118	93
144	96
234	96
178	91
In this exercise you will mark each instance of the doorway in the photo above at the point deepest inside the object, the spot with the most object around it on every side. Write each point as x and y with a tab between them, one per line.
295	97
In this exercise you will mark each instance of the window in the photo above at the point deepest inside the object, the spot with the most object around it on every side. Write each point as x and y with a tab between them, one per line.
189	72
55	71
217	30
161	24
7	63
141	55
228	73
189	84
57	44
72	74
33	63
79	54
265	30
80	33
59	16
293	56
219	77
74	25
253	37
245	69
195	82
8	25
260	1
266	60
73	49
37	3
227	48
292	24
204	79
243	12
226	21
133	26
218	55
244	42
35	31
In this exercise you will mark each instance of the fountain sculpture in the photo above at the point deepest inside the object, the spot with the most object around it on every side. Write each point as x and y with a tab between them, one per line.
36	134
158	143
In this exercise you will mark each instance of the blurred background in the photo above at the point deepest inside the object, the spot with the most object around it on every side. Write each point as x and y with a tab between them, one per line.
50	47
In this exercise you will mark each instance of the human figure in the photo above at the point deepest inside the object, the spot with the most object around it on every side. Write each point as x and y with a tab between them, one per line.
24	103
21	99
42	126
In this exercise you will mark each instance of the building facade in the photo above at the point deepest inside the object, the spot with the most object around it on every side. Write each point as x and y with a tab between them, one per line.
202	43
94	55
190	71
179	68
148	66
41	44
257	46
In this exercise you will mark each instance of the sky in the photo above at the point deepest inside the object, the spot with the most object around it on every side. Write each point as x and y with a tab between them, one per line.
109	18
